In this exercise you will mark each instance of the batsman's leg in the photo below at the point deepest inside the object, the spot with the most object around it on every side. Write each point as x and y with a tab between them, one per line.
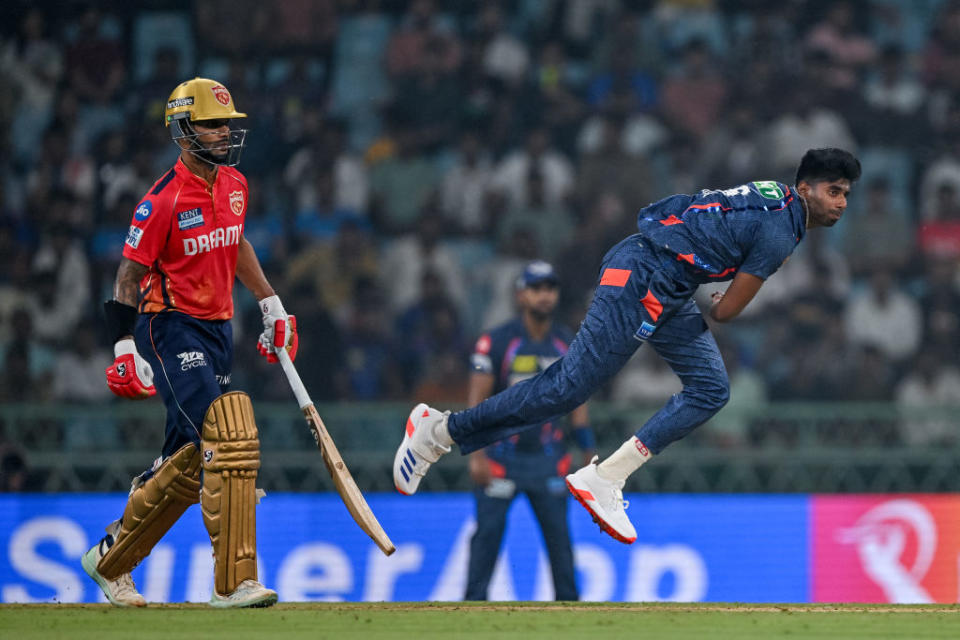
231	457
152	508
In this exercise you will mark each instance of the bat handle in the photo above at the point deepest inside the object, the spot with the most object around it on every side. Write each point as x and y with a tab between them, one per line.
303	398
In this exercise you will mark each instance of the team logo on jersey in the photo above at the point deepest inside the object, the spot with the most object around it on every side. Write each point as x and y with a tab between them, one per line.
133	236
769	189
143	210
191	360
189	219
236	202
221	94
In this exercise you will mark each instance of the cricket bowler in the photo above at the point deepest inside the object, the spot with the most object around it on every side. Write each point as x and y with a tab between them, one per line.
643	295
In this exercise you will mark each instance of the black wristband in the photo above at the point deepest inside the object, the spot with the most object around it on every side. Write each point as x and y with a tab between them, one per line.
121	318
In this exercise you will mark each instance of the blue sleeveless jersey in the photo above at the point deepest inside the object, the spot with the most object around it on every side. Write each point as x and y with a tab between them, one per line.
716	234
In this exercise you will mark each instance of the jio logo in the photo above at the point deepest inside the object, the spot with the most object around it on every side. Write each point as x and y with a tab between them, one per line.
143	210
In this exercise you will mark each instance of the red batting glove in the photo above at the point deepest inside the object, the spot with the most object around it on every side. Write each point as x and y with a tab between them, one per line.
281	340
130	376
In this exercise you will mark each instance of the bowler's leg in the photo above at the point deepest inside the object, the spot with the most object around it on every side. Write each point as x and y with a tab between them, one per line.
601	347
687	345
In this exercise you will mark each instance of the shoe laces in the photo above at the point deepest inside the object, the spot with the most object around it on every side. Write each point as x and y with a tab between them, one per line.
618	495
125	585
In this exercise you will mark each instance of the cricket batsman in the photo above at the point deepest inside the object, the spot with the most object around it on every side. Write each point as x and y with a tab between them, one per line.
169	320
742	234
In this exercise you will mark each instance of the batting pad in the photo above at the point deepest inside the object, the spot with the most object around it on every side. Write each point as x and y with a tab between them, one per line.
231	457
151	510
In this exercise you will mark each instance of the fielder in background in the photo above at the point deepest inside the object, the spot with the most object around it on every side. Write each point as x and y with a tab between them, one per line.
533	461
643	295
170	324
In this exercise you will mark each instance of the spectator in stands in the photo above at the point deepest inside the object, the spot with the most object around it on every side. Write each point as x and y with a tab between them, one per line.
944	170
505	57
371	367
96	71
940	303
429	330
407	259
33	62
839	37
804	124
932	385
332	270
421	28
895	98
877	234
694	93
885	317
511	175
402	183
940	235
465	186
553	226
611	170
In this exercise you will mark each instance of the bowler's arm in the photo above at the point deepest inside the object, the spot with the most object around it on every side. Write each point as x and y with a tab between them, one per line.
727	305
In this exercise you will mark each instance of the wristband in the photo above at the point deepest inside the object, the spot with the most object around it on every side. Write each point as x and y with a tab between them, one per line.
584	437
121	318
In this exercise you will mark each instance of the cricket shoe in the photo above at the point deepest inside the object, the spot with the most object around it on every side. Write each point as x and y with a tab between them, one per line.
248	594
419	449
604	500
121	592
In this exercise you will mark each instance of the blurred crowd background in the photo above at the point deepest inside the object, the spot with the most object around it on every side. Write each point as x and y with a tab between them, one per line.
406	159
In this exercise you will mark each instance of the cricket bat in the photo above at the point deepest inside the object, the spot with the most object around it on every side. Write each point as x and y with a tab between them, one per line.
346	487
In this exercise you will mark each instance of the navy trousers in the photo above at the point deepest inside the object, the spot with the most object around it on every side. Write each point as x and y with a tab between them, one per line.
191	361
640	297
549	502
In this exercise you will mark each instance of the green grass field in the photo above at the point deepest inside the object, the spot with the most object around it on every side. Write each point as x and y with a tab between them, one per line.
523	621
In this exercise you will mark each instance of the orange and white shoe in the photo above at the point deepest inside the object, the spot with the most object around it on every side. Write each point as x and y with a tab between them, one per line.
604	500
419	449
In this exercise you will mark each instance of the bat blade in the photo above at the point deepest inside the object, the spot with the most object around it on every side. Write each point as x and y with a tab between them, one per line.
343	481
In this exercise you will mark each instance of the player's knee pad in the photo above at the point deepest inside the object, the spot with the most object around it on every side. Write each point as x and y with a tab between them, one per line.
151	510
231	456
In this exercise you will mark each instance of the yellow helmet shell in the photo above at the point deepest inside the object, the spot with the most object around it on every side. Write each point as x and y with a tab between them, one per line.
200	99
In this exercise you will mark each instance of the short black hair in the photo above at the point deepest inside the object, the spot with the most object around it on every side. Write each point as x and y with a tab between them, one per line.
829	164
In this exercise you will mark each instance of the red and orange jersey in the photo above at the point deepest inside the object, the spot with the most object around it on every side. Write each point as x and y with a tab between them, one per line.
188	234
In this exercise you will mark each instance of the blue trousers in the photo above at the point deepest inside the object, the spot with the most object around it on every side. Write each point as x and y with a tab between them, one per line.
191	361
549	502
640	297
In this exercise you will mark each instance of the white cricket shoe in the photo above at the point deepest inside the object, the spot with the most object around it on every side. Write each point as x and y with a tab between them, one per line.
248	593
604	500
419	448
120	592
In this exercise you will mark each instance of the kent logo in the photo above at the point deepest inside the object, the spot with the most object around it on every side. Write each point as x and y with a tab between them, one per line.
769	189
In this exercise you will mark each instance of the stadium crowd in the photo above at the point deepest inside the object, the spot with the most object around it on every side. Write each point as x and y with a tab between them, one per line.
406	159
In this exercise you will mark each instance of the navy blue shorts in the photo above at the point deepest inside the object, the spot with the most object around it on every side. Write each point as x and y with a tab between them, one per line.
191	361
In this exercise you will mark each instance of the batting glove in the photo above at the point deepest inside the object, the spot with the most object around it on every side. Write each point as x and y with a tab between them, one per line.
279	330
130	376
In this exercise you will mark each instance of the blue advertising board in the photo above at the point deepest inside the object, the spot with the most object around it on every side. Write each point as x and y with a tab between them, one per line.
689	548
